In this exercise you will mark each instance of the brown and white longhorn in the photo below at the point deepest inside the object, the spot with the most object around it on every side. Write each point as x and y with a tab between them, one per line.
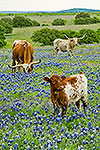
67	45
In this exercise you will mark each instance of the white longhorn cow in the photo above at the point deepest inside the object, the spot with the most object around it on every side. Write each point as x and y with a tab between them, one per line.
67	45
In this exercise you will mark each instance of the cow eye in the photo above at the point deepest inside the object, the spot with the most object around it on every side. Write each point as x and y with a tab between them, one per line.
71	40
53	81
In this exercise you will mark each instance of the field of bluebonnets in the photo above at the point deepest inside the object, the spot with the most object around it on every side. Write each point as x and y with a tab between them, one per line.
27	120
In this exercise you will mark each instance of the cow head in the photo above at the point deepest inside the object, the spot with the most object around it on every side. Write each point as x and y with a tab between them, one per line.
55	82
74	41
26	67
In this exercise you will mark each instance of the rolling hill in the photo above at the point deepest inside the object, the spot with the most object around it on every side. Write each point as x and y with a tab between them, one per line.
73	10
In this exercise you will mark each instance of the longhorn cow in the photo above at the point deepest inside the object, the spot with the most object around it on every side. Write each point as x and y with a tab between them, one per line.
23	54
61	45
65	90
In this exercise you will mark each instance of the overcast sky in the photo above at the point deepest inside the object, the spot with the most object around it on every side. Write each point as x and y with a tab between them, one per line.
47	5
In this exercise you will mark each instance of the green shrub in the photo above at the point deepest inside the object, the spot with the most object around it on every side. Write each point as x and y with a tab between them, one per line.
7	27
21	21
95	20
44	24
69	33
84	18
7	20
98	32
35	23
79	21
82	15
2	36
45	36
91	37
58	22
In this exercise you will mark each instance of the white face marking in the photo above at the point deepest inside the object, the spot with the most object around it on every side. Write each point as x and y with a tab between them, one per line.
26	67
75	40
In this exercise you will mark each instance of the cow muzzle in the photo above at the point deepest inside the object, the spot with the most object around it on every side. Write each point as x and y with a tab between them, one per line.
61	88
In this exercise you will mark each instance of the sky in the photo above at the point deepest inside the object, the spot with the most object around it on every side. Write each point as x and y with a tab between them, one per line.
47	5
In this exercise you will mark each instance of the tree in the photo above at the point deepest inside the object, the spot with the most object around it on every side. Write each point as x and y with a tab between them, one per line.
58	22
98	32
7	27
35	23
45	36
7	20
91	36
95	20
2	36
21	21
82	15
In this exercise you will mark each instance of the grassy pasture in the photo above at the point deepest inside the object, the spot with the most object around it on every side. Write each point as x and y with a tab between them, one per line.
27	120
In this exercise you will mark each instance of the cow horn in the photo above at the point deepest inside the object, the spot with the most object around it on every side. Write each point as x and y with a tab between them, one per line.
83	36
19	65
36	62
66	36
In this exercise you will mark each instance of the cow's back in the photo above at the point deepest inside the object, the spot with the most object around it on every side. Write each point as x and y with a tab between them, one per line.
28	53
18	52
76	87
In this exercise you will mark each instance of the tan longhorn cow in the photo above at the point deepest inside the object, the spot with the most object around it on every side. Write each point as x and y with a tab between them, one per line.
23	54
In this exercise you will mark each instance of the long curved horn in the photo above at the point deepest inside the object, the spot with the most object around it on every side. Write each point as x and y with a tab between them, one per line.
83	36
19	65
66	36
36	62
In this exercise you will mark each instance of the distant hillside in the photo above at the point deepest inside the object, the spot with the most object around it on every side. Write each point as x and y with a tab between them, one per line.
78	10
73	10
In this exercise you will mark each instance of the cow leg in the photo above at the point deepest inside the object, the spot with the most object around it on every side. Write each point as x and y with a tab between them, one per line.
31	68
84	101
71	51
18	69
78	104
64	110
68	52
56	51
13	64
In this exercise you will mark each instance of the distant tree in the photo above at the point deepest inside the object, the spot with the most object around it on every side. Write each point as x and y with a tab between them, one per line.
45	24
82	15
98	32
21	21
58	22
91	36
2	36
35	23
95	20
7	27
7	20
45	36
84	18
79	21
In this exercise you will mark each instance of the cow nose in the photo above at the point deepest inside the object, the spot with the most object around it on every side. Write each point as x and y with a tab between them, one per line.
76	44
61	88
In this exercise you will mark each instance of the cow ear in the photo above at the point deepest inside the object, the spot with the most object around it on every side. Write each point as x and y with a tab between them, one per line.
63	78
46	79
78	40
